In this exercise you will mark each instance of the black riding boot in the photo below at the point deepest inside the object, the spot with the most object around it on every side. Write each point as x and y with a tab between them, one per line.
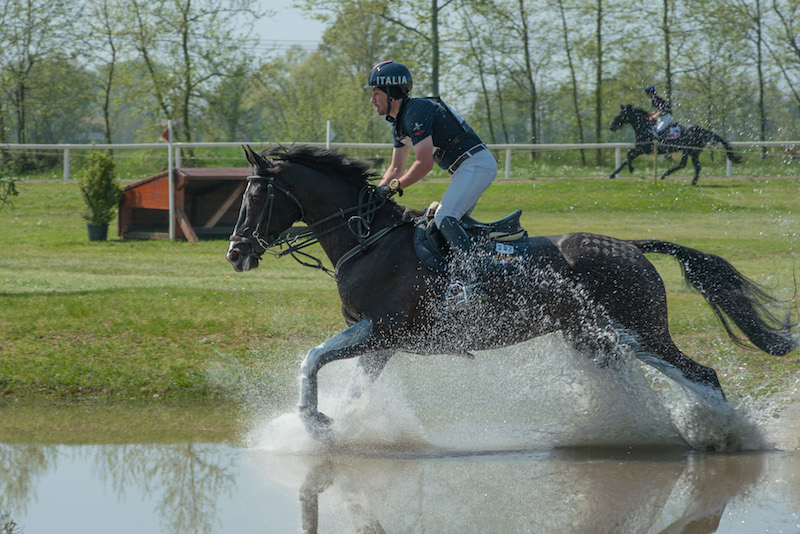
464	287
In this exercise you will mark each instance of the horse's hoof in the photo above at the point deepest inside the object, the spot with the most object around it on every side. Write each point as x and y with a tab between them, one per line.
612	176
318	425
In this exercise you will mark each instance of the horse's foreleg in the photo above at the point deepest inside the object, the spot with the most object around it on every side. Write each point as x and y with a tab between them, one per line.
632	154
677	167
352	342
616	171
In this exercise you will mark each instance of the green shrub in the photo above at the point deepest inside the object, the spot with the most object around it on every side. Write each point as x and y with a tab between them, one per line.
99	188
21	162
8	187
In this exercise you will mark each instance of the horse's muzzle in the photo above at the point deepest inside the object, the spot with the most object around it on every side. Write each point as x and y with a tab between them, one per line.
241	256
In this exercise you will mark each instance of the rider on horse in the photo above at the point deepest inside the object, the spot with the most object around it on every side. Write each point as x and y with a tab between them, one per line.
437	134
662	112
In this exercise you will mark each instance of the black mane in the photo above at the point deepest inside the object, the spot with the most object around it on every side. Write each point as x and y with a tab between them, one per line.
354	171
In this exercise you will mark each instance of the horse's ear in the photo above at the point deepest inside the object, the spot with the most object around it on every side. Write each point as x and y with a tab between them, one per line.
247	154
255	159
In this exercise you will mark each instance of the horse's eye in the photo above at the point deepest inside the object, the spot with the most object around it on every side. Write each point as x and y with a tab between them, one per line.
257	195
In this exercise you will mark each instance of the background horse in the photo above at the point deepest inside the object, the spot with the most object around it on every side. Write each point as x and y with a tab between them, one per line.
601	293
691	141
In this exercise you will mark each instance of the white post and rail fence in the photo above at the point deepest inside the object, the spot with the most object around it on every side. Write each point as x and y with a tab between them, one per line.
175	153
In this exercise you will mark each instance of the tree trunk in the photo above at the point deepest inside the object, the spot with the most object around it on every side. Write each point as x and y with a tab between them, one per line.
500	103
760	66
598	94
573	79
532	102
667	51
435	47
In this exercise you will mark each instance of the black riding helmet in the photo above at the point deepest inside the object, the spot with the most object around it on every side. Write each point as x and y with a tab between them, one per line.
392	78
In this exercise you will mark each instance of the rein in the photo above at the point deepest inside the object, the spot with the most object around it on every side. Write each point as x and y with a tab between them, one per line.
357	219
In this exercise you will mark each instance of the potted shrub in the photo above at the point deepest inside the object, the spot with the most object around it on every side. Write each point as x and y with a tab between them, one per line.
100	192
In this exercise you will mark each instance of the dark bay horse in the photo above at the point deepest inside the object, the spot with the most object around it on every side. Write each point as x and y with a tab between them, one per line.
601	293
691	142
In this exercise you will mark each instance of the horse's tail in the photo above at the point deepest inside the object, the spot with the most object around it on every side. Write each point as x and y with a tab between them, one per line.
733	156
733	297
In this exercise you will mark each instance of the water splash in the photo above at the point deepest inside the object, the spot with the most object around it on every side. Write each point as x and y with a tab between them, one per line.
537	395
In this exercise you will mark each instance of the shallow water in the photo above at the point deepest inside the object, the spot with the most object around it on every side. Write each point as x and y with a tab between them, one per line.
203	487
530	439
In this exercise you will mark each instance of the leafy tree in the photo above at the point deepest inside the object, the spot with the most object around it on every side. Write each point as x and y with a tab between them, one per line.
102	40
32	31
572	74
225	115
752	20
186	46
61	102
415	25
786	36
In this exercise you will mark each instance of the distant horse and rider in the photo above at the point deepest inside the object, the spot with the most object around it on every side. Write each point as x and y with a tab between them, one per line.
657	127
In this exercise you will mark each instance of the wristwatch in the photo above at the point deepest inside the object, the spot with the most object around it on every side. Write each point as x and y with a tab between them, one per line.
394	185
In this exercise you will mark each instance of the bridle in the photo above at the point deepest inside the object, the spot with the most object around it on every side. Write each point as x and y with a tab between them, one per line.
266	210
357	219
621	119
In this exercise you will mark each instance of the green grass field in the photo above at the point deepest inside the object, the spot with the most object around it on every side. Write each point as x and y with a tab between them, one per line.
172	320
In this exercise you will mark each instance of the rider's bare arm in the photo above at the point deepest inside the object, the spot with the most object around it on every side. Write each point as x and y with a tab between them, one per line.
398	165
423	151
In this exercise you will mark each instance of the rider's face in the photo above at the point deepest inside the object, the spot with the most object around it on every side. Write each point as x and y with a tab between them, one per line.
380	100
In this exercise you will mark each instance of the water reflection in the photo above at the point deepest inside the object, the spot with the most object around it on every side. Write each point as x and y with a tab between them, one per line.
183	481
21	467
202	487
563	491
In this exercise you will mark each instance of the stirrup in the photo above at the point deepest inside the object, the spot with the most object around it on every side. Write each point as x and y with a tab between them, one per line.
456	296
459	296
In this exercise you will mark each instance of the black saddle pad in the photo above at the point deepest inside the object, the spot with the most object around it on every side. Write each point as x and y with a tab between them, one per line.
495	250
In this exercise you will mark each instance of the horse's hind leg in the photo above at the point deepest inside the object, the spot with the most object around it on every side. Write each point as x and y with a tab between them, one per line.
370	367
677	167
696	163
662	354
651	344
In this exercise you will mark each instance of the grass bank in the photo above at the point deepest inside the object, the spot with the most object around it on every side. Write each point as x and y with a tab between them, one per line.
155	319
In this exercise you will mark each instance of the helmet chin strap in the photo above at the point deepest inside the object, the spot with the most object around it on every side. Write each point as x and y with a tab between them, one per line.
389	100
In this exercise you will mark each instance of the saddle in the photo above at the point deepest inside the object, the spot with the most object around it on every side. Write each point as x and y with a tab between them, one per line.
673	132
499	247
